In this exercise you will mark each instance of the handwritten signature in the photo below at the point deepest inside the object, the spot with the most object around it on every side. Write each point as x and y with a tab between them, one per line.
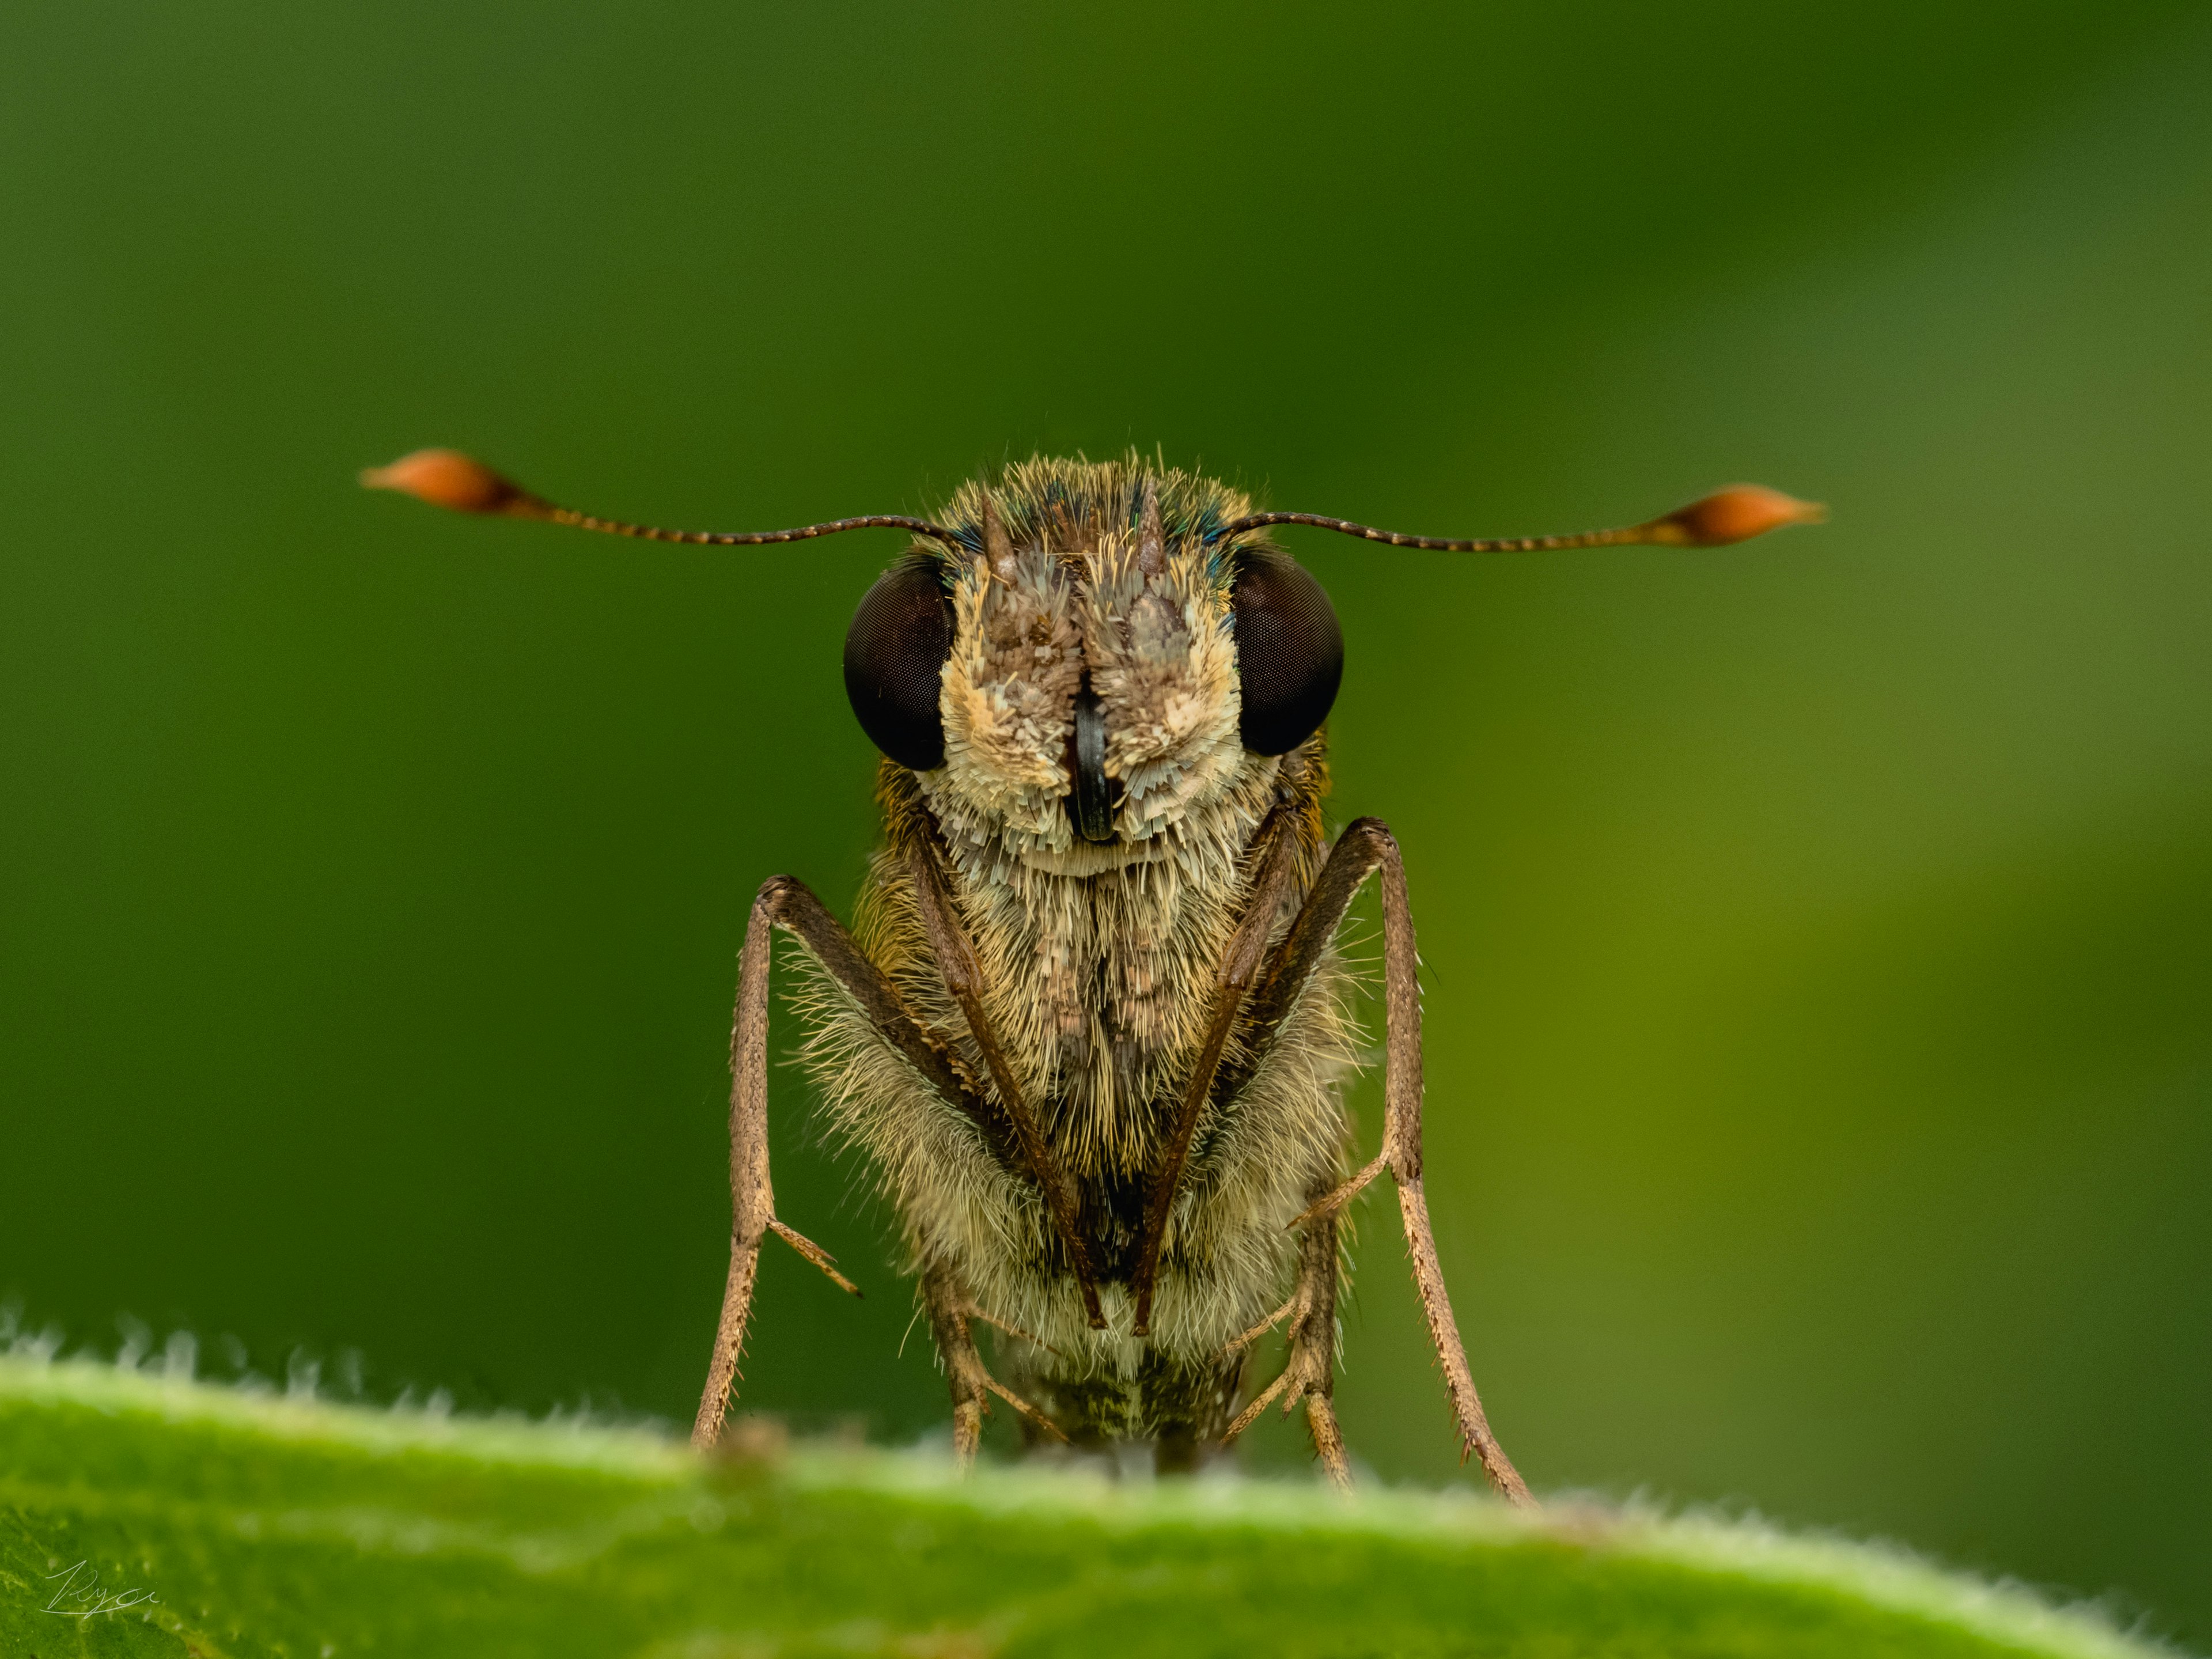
81	1596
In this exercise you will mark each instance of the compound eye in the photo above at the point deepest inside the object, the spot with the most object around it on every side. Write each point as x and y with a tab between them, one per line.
894	654
1290	651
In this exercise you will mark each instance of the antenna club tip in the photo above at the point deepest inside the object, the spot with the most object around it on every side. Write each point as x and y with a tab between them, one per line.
447	479
1735	515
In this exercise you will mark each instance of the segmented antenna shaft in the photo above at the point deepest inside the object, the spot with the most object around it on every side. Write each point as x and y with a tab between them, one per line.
646	533
1630	536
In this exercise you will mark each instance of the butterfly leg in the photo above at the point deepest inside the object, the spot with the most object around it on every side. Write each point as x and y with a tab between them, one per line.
1367	847
1308	1376
785	903
1401	1149
966	1377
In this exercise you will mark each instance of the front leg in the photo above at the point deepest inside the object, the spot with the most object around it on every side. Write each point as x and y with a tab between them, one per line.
1366	848
955	956
785	903
1272	856
1401	1146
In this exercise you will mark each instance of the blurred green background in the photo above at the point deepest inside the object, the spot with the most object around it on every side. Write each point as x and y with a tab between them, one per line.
1820	932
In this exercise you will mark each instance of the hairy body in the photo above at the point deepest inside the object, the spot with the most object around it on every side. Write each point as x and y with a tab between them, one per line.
1098	963
1092	1034
1119	964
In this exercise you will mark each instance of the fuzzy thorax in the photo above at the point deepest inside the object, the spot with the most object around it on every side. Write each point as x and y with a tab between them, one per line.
1098	959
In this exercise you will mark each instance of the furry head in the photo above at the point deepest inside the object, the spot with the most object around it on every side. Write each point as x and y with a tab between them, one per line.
1091	594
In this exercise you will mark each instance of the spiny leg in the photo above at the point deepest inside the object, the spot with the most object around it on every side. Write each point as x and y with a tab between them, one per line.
1010	1329
1237	1345
1366	847
814	1253
1275	848
1310	1373
1402	1147
963	976
1328	1440
966	1377
752	1200
785	903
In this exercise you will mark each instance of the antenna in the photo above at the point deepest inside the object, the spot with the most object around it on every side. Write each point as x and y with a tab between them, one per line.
1734	514
448	478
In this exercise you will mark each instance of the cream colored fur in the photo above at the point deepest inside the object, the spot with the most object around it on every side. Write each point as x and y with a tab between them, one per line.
1098	961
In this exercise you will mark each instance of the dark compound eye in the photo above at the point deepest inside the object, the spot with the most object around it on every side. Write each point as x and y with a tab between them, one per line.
894	652
1290	651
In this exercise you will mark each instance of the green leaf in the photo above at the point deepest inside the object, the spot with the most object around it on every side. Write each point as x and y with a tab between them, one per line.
224	1523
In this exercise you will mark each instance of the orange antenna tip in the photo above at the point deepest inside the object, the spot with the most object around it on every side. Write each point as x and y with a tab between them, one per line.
1734	514
448	478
